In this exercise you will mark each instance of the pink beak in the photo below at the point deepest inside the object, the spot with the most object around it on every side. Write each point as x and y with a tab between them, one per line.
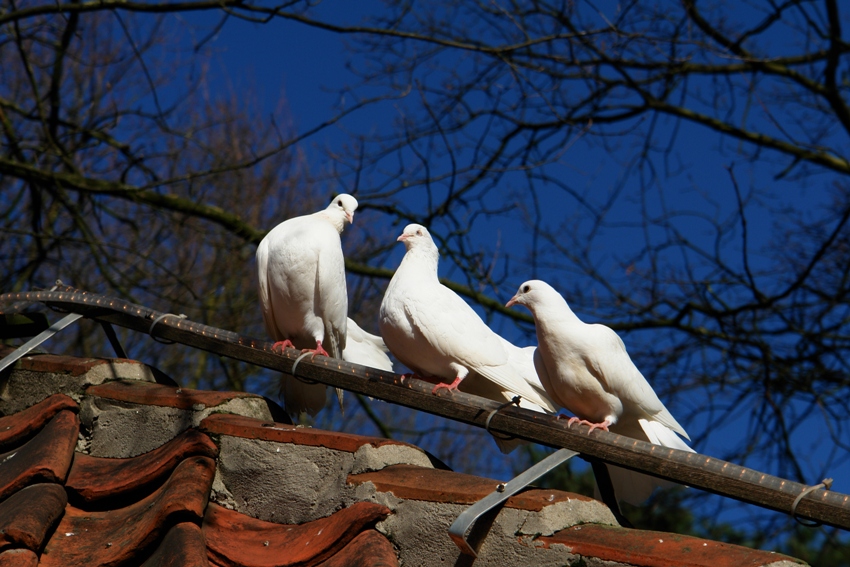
350	217
511	302
401	238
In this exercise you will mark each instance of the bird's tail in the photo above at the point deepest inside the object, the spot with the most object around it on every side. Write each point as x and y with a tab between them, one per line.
634	487
365	348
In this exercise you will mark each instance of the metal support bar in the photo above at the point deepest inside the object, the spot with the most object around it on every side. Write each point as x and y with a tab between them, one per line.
462	524
113	339
38	339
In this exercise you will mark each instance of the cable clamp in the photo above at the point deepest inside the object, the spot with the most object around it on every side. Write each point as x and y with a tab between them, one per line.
157	320
514	401
295	365
826	484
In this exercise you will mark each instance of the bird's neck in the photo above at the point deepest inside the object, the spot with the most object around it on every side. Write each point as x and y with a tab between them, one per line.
337	221
421	262
555	313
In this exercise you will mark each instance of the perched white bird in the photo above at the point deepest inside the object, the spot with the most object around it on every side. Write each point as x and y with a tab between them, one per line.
585	368
303	293
435	333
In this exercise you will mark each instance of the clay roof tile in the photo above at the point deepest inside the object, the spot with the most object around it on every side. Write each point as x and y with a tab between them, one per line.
19	426
44	458
237	540
116	537
95	478
27	515
182	546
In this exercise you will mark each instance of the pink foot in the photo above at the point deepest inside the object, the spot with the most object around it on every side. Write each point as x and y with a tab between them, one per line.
603	426
279	346
316	351
450	387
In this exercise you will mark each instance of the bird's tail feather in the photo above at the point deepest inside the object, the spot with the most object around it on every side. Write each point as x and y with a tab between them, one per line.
634	487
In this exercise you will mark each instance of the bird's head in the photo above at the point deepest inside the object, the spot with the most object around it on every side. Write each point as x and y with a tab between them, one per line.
529	293
415	235
341	210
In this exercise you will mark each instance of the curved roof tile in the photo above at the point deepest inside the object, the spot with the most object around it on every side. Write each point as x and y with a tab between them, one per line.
94	478
44	458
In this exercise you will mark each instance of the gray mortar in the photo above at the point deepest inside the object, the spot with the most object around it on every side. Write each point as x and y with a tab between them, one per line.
120	429
369	458
292	484
419	530
20	389
283	482
560	515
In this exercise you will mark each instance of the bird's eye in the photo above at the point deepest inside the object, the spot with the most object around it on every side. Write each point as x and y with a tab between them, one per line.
526	288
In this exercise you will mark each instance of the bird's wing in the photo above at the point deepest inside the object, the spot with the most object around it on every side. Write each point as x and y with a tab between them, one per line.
452	327
611	365
522	376
263	289
331	295
365	348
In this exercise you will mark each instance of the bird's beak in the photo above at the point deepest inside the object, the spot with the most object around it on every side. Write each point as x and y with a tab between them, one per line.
511	302
349	217
402	237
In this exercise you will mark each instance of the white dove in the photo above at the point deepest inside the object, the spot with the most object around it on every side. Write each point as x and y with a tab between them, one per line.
303	293
435	333
585	368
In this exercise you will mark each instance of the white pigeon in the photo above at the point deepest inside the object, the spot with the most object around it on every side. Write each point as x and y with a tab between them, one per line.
585	368
303	294
435	333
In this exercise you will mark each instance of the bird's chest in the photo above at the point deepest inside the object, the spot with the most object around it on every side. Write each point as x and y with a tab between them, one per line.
577	388
403	335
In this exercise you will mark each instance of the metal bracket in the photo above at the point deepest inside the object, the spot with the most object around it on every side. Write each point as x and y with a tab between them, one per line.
462	524
113	340
38	339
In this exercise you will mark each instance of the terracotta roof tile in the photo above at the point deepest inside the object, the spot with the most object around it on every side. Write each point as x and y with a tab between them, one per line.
18	558
237	540
656	549
419	483
19	426
27	515
182	546
369	549
117	536
94	478
44	458
163	396
240	426
60	364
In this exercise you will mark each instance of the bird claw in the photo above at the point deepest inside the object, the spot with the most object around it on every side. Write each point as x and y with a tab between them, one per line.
603	425
450	387
319	350
279	346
